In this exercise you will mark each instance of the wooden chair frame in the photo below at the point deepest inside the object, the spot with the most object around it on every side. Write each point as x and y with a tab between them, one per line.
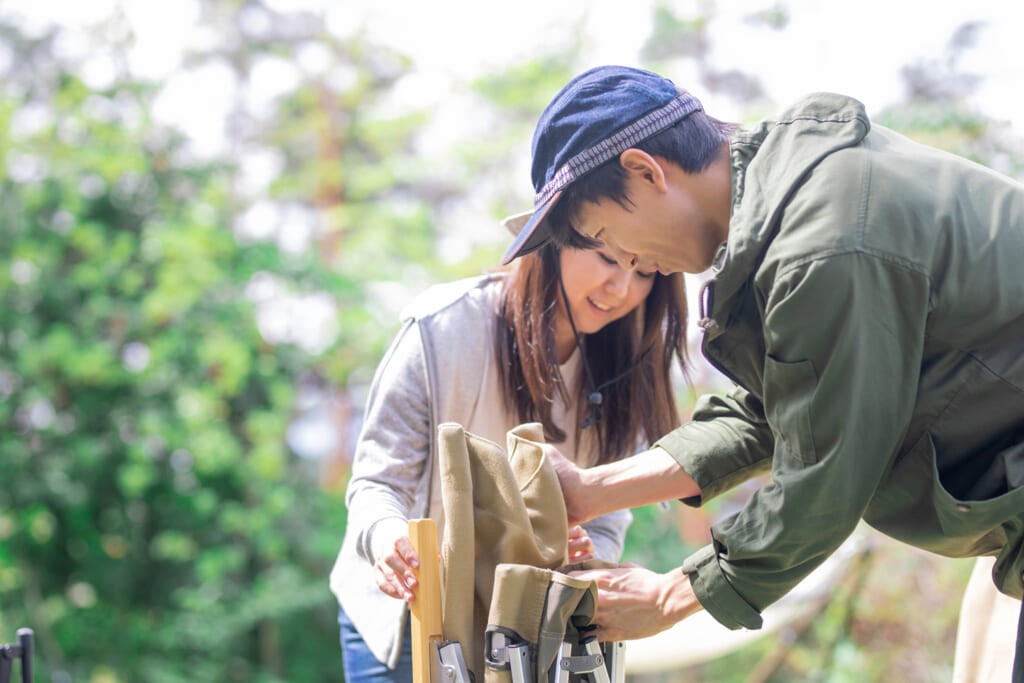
425	608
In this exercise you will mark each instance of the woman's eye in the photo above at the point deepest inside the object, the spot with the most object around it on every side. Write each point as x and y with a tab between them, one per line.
608	259
646	276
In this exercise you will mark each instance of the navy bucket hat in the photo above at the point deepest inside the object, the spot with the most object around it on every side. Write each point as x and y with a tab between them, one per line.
596	117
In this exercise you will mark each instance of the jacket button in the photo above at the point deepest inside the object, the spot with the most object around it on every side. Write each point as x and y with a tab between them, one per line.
709	325
963	507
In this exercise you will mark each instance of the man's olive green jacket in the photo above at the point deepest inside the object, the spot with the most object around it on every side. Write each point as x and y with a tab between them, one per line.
869	306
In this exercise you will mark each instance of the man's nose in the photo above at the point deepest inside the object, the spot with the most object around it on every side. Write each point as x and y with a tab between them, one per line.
626	260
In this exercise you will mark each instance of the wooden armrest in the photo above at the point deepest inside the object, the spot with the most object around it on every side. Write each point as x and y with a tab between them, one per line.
425	608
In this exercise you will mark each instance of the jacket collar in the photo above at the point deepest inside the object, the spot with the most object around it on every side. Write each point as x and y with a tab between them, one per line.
770	160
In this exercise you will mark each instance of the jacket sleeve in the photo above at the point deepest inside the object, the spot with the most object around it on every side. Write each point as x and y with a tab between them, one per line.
844	334
394	444
726	442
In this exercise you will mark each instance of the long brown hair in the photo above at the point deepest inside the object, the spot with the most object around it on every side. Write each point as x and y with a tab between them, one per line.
641	403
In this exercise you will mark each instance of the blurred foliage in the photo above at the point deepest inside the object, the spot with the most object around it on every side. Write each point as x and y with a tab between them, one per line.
891	617
674	36
154	524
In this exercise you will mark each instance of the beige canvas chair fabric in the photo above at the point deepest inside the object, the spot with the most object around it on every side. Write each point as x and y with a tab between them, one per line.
985	639
501	506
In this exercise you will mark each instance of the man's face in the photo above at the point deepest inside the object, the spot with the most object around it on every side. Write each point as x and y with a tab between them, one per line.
659	231
672	222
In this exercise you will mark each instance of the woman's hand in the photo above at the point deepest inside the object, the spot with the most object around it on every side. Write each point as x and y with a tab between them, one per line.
395	568
581	548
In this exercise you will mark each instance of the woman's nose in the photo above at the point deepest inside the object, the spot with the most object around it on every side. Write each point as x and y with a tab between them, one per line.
618	281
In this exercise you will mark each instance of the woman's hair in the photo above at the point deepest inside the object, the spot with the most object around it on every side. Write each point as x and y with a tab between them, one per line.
641	403
692	143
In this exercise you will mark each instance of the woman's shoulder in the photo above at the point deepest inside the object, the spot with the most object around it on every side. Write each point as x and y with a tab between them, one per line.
449	298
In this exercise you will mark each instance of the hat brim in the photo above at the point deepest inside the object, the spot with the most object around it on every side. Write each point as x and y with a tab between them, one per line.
514	224
532	229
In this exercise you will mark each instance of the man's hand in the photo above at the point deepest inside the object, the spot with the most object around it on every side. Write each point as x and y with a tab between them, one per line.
573	489
633	602
649	477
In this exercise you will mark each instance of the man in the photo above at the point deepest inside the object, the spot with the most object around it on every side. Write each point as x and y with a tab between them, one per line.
868	303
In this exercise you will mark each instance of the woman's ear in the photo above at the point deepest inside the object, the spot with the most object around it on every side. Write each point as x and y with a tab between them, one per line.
643	167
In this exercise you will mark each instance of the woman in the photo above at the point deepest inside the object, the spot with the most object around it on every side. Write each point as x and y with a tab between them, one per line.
566	338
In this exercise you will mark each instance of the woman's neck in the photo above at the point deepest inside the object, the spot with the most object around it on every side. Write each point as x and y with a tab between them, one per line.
565	343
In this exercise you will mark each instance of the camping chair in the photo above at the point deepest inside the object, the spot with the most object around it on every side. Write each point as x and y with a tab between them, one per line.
23	651
521	645
539	628
509	611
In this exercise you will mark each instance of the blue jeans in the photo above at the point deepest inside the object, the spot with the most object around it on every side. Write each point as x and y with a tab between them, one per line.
359	663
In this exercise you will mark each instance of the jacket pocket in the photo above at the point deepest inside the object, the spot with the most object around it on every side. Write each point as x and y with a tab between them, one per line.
912	505
788	394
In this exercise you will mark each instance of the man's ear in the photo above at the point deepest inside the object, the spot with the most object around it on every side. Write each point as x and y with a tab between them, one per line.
643	167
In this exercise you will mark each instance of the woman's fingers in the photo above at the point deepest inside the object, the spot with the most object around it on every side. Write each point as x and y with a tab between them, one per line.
395	572
581	548
403	546
389	583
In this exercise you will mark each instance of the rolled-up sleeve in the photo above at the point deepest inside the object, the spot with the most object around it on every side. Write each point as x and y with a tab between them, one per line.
727	442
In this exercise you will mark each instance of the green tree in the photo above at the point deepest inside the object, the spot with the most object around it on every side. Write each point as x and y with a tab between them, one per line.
153	524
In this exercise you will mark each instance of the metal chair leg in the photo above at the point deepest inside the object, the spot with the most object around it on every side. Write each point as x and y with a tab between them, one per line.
22	651
25	640
519	662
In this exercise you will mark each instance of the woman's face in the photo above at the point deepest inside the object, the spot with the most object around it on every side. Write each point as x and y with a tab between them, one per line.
599	290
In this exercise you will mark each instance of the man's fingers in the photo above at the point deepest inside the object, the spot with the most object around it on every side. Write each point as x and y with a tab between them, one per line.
598	576
636	602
